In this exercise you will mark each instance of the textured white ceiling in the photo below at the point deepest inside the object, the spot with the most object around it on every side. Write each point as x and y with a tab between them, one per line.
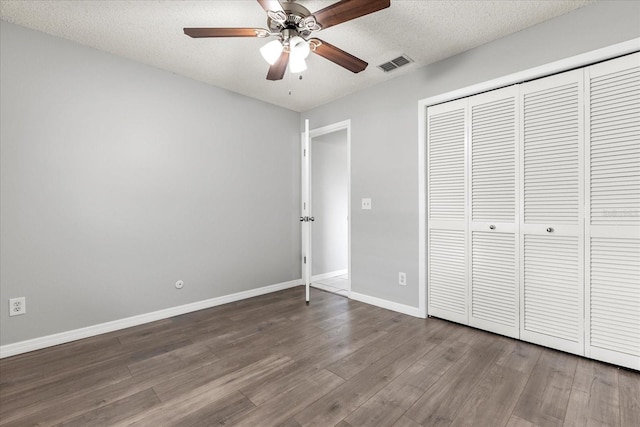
151	32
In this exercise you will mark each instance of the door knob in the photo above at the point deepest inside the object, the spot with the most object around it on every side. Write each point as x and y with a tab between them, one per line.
550	230
492	227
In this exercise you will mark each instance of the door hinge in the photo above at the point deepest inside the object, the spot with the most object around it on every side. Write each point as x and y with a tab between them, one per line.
305	152
305	260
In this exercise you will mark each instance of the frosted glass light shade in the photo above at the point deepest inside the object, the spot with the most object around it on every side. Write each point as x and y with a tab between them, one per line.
271	51
297	65
299	48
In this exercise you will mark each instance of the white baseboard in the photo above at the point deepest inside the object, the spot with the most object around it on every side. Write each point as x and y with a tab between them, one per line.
329	275
90	331
389	305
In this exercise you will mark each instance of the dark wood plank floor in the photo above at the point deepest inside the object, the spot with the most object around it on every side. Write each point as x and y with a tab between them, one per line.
272	361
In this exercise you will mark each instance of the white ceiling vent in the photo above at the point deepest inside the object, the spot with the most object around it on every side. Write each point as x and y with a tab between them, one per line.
396	63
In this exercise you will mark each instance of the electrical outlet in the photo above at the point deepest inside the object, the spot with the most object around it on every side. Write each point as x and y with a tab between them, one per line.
366	204
17	306
402	279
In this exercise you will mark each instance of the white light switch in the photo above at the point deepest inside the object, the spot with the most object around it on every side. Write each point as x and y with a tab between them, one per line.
366	204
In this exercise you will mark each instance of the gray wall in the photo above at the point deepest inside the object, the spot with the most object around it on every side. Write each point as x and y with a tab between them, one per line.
329	202
117	179
384	134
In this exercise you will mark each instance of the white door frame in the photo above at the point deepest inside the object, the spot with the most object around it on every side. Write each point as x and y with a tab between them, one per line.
307	208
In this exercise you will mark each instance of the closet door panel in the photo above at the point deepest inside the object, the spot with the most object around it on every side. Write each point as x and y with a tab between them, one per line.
551	271
494	290
493	136
614	143
447	275
447	245
552	206
493	156
614	299
613	203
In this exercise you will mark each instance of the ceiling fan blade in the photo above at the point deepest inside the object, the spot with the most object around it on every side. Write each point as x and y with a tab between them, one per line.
338	56
346	10
225	32
276	71
271	5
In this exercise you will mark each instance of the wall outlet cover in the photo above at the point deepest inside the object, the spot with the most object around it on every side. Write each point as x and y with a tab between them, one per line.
366	204
17	306
402	279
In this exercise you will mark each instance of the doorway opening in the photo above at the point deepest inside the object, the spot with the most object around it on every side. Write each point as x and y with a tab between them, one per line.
328	199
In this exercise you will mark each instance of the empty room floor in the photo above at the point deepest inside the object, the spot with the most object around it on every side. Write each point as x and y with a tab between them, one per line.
271	360
338	285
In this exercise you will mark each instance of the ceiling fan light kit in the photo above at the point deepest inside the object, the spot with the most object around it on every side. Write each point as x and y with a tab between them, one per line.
271	51
297	47
293	24
298	51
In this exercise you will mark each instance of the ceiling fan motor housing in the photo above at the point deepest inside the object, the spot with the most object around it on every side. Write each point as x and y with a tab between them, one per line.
296	18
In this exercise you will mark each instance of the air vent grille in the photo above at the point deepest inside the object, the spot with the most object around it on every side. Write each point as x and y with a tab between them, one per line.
396	63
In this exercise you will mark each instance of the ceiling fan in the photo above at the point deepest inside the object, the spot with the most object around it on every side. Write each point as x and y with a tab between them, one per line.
292	25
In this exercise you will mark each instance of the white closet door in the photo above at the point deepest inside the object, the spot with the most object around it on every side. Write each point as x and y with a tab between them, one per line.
613	203
494	291
446	206
552	207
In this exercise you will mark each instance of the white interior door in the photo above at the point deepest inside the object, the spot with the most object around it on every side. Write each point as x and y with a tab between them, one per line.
305	209
494	290
613	211
552	220
447	246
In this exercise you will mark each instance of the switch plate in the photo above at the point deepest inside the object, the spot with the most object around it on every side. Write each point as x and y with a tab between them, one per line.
402	279
366	204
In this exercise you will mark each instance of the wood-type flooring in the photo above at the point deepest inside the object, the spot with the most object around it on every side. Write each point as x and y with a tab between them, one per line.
273	361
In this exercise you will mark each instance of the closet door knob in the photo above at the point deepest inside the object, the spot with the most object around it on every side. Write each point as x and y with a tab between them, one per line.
550	230
492	227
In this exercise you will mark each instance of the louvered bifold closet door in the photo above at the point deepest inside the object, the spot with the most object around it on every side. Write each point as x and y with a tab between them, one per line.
552	209
446	206
494	290
613	203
